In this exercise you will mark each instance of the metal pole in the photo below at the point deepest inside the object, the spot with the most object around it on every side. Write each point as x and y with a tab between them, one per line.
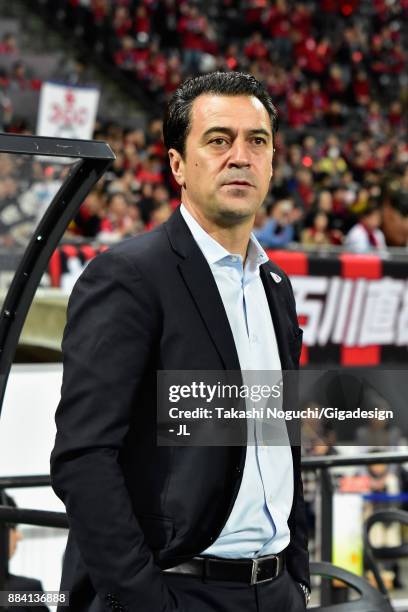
4	553
42	518
17	482
326	513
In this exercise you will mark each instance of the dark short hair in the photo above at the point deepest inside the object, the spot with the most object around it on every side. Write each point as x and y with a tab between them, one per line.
373	205
176	122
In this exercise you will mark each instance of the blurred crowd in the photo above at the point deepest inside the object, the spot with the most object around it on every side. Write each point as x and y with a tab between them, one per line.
14	76
336	71
27	187
18	76
337	199
318	57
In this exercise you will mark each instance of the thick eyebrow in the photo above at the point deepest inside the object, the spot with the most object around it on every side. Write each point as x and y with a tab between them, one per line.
230	132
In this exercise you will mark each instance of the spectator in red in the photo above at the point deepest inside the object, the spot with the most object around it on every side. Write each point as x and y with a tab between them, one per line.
231	57
375	123
398	59
8	44
318	102
278	27
366	234
362	159
299	114
395	115
253	11
301	19
304	187
312	56
142	23
277	83
353	46
100	10
122	22
336	86
361	88
387	54
128	57
192	27
256	48
151	170
117	223
156	68
174	74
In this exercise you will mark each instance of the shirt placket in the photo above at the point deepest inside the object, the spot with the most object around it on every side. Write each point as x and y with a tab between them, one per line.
261	451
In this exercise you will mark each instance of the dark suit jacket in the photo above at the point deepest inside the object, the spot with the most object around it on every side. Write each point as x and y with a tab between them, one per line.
150	303
22	583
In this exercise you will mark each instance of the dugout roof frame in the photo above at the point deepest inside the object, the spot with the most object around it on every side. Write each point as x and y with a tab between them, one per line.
94	158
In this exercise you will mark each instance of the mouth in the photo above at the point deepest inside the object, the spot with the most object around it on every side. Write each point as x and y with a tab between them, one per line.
238	184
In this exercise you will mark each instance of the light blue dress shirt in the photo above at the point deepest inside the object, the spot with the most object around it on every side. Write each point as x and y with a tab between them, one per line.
258	523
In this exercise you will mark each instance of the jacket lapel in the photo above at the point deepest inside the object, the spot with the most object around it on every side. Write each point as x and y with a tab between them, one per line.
288	344
200	282
279	312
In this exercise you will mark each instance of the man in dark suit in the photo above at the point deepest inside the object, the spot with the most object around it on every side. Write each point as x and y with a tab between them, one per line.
201	528
14	583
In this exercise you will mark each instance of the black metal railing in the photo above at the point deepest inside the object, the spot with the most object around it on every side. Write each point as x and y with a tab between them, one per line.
323	465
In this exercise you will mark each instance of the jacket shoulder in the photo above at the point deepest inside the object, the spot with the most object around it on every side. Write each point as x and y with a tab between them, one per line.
142	247
142	255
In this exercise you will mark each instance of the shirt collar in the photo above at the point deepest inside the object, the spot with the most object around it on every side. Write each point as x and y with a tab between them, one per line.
213	251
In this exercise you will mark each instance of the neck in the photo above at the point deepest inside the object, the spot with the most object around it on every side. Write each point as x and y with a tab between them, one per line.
234	238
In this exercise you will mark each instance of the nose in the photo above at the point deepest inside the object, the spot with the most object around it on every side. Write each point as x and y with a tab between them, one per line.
239	154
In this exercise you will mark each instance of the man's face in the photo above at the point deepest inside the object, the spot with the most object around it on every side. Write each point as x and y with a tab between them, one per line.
374	220
227	166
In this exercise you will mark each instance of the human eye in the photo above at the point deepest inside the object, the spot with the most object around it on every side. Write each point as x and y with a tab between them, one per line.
219	141
259	140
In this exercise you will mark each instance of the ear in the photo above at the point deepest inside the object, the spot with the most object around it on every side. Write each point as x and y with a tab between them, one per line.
177	166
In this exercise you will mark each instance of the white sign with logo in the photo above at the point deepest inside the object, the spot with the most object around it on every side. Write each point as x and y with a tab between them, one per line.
66	111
